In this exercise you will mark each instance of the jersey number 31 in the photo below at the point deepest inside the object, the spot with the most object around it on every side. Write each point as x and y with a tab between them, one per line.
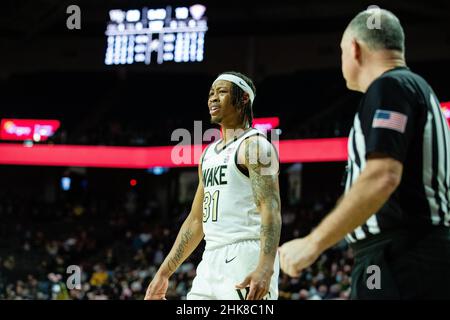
210	203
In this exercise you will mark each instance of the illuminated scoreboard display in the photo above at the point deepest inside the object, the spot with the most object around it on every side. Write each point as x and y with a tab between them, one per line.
156	35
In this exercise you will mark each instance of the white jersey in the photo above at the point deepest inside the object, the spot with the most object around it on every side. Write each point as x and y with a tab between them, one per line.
229	211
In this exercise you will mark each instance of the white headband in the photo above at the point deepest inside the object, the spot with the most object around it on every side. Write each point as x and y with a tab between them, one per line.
239	82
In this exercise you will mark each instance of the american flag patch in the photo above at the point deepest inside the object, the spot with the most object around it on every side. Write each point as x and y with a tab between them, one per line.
390	120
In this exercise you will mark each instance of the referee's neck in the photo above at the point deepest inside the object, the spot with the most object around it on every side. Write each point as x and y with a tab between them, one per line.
376	68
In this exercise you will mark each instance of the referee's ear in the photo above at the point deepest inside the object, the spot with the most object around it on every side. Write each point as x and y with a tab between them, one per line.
356	50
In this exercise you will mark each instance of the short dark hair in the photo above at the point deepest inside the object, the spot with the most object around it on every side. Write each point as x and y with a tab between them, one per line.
237	95
388	36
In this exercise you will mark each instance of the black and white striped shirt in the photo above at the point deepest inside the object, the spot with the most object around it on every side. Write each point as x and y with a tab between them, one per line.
400	116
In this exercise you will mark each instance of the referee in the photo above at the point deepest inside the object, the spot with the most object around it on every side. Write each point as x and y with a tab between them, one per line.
395	213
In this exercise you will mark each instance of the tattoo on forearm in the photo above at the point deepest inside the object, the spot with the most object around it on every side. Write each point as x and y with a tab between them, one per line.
265	190
175	260
270	236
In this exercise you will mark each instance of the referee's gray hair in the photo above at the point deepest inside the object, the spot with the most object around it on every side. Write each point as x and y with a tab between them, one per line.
388	34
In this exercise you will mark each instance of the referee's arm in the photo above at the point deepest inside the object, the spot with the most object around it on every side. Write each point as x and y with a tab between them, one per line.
371	190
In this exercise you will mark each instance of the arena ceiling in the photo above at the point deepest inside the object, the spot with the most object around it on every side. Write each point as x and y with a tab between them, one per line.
36	17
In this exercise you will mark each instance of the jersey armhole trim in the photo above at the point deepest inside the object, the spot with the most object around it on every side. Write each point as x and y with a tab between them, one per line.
244	172
203	155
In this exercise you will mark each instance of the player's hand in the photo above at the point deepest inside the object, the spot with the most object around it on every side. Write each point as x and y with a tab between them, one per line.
157	288
297	255
259	283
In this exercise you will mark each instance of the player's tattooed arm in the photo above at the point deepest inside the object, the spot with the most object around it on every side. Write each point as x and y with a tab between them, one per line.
262	164
175	260
189	236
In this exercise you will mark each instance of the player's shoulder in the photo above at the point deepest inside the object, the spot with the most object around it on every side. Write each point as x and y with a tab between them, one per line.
258	144
257	138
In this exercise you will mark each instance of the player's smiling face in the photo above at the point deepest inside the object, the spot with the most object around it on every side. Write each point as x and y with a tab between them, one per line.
220	102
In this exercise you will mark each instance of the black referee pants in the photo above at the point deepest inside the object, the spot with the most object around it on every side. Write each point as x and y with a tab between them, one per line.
409	265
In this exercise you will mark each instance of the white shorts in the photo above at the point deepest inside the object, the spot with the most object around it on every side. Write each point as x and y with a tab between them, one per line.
223	268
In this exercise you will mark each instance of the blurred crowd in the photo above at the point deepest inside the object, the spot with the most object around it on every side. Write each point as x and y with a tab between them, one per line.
118	252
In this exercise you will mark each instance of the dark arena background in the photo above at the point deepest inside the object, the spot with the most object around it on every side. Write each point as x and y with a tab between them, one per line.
88	108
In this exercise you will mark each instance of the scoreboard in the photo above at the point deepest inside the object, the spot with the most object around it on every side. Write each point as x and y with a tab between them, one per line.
149	36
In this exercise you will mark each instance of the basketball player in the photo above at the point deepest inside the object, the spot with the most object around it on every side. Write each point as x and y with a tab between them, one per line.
236	207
